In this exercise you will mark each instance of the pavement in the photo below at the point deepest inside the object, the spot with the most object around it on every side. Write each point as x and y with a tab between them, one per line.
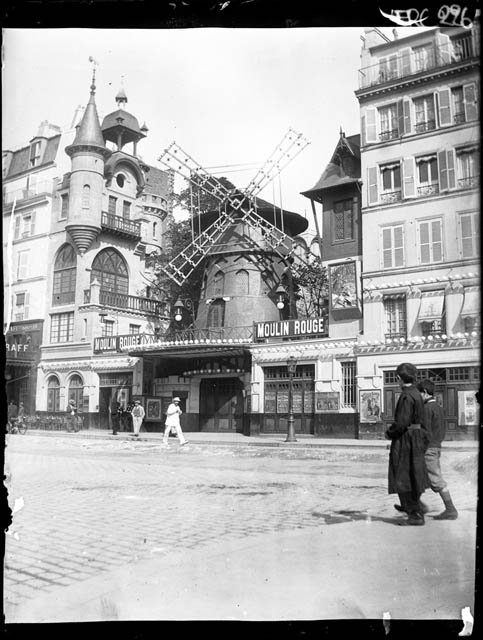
117	528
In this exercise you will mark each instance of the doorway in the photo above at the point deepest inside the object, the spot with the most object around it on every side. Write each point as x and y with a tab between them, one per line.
221	405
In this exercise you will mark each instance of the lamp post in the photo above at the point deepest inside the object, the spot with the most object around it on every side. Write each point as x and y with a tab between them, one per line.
182	305
281	296
291	367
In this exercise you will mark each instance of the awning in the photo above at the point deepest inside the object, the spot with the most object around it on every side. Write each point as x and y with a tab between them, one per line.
431	307
471	305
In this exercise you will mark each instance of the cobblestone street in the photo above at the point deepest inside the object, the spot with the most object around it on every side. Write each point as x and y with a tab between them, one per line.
83	508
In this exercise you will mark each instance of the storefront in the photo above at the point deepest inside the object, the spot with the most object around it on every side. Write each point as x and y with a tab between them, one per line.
22	357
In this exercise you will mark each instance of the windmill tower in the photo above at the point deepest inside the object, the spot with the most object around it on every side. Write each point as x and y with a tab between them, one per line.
245	246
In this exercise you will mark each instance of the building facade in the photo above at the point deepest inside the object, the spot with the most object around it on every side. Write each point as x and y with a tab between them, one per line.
81	213
418	99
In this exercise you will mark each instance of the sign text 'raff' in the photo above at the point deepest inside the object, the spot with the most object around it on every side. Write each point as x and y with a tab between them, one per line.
290	328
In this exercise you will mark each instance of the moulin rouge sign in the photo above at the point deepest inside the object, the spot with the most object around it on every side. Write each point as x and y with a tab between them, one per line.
308	327
120	343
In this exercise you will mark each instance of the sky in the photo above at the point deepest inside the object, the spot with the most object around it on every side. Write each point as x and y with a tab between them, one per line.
226	96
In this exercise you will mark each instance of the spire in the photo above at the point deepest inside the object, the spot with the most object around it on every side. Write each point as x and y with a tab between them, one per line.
121	98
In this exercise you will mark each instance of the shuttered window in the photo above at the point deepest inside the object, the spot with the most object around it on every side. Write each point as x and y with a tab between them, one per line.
430	241
469	234
343	220
392	247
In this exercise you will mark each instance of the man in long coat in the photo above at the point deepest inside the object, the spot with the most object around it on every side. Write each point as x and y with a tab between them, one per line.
407	469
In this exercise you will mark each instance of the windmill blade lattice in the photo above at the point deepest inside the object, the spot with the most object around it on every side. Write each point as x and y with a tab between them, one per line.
239	202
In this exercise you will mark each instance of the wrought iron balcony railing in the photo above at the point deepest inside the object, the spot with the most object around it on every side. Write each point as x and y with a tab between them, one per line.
149	306
469	182
410	64
120	225
428	190
389	135
428	125
459	118
391	196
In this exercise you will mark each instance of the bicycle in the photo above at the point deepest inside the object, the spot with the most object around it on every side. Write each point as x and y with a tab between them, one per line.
17	425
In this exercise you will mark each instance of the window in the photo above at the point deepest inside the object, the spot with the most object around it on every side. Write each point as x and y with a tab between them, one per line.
110	270
430	241
395	316
126	209
35	154
392	247
458	105
53	394
348	384
427	173
64	206
64	284
242	283
469	234
343	220
436	326
134	329
390	182
22	265
86	196
216	314
76	391
421	58
424	114
21	306
218	284
112	205
107	327
62	327
120	180
468	167
24	226
155	224
388	122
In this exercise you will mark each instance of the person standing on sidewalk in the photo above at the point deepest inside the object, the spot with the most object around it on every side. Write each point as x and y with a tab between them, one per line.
434	422
407	469
137	414
115	415
172	420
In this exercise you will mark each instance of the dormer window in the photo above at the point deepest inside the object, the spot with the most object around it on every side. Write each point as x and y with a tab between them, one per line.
35	154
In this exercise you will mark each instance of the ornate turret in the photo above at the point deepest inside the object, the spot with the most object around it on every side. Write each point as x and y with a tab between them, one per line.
88	154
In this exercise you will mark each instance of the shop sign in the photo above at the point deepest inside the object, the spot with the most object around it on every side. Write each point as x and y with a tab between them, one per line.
120	343
20	346
290	328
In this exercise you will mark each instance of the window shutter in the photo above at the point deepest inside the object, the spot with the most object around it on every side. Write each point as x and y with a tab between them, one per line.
436	241
398	247
32	223
425	255
16	234
443	171
470	100
372	196
22	265
26	306
371	133
444	101
407	117
400	117
408	178
406	61
387	248
450	164
444	47
363	130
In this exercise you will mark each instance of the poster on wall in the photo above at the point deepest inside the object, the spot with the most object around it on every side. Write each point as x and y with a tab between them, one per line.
467	409
326	401
344	290
153	410
370	405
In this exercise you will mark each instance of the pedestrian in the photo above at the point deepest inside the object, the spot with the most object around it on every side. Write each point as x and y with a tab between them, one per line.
115	415
137	414
172	420
21	411
435	424
126	417
407	475
12	411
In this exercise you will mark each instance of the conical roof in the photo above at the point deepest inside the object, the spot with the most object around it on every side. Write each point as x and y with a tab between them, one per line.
89	131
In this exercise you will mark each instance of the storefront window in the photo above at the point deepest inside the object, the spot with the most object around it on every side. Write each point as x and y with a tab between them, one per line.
76	391
53	394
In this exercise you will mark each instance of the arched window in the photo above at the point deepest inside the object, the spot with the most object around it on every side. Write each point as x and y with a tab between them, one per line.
63	290
216	314
155	224
242	283
76	391
218	284
53	394
110	270
86	196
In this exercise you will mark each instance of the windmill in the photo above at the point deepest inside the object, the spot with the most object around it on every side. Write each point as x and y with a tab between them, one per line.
240	243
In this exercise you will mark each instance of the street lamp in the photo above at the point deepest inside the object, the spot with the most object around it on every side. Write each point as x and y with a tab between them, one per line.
291	367
281	296
180	306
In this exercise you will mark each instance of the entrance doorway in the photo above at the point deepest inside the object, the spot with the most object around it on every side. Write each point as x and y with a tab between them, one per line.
221	404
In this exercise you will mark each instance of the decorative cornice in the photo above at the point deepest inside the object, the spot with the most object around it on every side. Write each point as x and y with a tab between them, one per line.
89	365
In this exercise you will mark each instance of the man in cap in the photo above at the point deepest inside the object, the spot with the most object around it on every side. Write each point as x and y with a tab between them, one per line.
137	414
172	420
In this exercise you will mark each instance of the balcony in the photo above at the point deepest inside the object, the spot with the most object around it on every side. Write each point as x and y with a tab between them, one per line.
428	190
113	300
397	335
469	182
120	226
405	66
429	125
459	118
34	191
391	196
389	135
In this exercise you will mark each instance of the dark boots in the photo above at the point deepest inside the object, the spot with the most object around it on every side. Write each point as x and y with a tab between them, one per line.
414	509
450	512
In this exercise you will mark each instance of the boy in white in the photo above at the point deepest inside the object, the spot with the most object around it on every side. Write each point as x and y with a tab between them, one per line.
172	420
137	414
